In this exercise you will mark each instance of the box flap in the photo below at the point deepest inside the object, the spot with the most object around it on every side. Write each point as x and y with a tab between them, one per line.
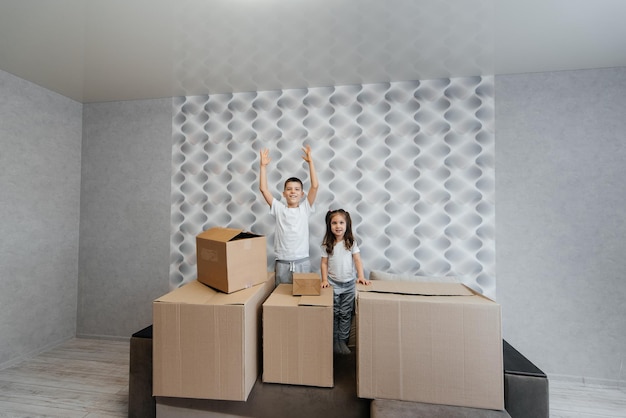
324	299
193	292
196	293
416	288
282	296
220	234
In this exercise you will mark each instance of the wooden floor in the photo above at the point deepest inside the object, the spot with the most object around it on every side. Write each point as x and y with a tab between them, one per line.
89	379
569	399
81	378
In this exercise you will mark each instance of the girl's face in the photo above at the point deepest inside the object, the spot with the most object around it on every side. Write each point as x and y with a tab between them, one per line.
338	226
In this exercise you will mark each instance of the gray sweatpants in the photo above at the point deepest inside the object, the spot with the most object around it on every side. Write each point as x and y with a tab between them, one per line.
284	269
343	308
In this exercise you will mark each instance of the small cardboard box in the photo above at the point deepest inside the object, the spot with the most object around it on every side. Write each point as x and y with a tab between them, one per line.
230	259
437	343
207	343
298	338
307	284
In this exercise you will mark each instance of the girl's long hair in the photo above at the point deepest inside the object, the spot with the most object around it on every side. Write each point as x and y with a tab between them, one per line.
329	237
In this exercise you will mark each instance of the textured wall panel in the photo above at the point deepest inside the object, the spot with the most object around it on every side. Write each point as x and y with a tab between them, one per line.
413	162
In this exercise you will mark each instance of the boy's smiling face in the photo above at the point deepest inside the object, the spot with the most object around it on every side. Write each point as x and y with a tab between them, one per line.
293	193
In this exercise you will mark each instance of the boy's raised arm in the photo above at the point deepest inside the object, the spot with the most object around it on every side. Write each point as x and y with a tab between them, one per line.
312	174
264	161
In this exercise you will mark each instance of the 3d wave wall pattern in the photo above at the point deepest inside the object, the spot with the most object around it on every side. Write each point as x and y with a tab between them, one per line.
413	163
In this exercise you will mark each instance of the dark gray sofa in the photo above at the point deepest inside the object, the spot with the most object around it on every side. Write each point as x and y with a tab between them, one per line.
525	394
526	389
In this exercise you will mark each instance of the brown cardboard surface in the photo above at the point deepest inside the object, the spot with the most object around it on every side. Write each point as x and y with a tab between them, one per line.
307	284
228	263
206	343
436	345
298	338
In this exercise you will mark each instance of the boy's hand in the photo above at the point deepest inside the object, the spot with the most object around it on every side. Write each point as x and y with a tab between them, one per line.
307	154
325	284
265	157
363	281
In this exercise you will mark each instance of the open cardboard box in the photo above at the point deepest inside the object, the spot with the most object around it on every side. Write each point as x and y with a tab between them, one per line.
230	259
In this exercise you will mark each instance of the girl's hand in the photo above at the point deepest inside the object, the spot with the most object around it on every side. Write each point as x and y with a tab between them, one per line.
325	284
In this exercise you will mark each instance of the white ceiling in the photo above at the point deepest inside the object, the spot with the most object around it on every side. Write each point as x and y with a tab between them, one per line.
109	50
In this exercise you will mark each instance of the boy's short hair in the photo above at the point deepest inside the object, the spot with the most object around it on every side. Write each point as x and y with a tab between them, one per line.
293	180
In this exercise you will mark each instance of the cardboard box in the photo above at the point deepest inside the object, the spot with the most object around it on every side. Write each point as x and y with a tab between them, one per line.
437	343
230	259
207	343
298	338
307	284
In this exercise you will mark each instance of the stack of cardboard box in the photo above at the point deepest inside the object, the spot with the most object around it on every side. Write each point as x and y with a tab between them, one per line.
207	333
436	343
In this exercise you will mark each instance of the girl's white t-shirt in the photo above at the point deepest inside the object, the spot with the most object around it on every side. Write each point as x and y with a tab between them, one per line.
341	266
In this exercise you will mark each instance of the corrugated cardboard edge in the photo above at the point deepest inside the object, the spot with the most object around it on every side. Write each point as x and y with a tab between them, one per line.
416	288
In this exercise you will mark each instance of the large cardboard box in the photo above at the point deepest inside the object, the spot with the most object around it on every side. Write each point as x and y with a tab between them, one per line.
307	284
207	343
298	338
429	342
230	259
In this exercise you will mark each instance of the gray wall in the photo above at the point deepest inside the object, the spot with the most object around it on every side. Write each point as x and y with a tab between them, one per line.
560	219
40	134
124	215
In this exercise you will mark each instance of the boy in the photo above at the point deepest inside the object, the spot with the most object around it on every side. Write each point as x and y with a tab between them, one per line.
291	242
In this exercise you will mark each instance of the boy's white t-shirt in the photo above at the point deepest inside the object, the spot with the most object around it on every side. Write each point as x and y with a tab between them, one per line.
341	266
291	241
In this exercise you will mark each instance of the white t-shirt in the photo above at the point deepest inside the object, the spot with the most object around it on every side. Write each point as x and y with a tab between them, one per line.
291	241
341	266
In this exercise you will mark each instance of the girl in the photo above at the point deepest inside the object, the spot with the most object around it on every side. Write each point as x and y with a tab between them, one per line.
342	268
